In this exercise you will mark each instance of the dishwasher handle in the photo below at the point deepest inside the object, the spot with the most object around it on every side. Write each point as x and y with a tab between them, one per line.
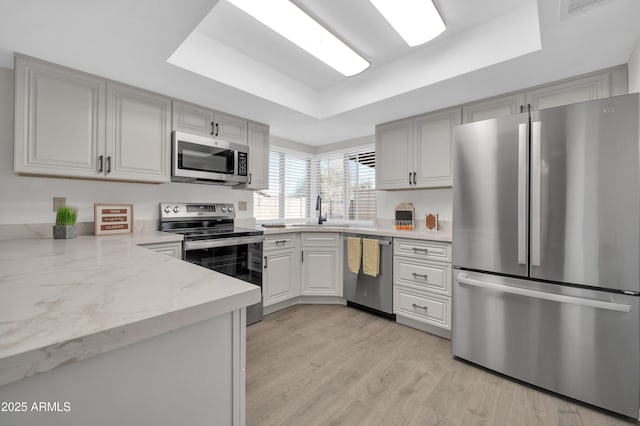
385	242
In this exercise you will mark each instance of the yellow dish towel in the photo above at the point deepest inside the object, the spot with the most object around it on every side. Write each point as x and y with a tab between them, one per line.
370	257
354	248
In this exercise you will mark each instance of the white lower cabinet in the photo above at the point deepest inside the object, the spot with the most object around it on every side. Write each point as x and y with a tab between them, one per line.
321	265
280	278
170	249
422	284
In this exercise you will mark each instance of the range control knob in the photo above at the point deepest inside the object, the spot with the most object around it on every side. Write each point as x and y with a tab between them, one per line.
167	209
230	209
176	209
224	209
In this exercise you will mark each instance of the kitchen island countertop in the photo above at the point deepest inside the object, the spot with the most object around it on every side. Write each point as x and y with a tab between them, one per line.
66	300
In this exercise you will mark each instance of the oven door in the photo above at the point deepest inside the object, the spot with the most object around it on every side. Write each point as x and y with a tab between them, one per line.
198	158
239	257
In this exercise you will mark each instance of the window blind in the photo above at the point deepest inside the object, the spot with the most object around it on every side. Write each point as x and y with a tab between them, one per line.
289	193
346	182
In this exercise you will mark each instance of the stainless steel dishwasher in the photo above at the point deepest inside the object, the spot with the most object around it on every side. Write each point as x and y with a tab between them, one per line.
364	291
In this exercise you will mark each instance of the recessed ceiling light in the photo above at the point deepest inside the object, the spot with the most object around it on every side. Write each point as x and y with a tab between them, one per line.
417	21
292	23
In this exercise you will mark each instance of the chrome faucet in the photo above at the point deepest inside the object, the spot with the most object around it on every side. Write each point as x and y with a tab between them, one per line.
319	210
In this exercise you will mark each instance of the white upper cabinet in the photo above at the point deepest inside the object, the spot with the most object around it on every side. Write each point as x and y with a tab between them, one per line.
394	150
205	122
193	119
59	120
612	82
570	92
69	123
433	136
493	108
230	128
258	156
416	153
138	134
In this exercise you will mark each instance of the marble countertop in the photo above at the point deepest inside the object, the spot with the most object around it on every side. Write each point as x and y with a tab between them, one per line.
418	234
66	300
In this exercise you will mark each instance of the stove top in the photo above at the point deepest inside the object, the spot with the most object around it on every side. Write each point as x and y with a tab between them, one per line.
213	233
197	221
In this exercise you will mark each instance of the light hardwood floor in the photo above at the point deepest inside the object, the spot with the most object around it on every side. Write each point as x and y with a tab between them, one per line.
335	365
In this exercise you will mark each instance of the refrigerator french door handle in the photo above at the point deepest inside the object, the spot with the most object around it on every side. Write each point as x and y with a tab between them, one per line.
560	298
522	194
536	171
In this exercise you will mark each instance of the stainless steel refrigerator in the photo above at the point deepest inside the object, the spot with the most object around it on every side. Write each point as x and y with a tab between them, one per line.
546	249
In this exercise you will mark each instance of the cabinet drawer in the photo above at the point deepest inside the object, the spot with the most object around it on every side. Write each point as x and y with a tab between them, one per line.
320	239
424	307
280	241
422	275
420	249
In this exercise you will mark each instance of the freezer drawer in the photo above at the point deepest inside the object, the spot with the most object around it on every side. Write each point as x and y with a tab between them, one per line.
580	343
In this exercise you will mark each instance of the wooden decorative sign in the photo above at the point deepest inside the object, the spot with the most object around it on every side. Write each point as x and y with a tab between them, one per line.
112	219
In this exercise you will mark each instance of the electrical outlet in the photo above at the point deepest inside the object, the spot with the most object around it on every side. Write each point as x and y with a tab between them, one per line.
59	202
242	206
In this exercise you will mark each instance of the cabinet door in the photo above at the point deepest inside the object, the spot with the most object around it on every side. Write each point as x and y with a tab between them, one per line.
320	272
59	120
192	119
279	279
258	156
394	167
492	108
569	92
138	135
229	128
434	135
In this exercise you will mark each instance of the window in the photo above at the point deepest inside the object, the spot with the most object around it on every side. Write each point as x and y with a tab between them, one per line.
289	193
346	183
344	179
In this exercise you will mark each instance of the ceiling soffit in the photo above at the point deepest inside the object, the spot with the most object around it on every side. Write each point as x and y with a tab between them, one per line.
295	80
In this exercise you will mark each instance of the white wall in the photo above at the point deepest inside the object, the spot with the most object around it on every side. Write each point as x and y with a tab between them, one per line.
29	199
634	69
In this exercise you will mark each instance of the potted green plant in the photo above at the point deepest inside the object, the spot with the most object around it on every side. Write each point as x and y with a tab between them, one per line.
65	227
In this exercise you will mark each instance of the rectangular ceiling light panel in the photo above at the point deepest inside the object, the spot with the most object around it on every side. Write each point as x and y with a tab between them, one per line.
417	21
292	23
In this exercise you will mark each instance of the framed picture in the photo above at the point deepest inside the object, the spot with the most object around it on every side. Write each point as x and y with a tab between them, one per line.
112	219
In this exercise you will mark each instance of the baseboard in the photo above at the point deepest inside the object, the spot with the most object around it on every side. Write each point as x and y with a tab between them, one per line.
427	328
304	300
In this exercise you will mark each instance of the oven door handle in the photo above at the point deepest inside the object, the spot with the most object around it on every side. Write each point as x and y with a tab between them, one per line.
222	242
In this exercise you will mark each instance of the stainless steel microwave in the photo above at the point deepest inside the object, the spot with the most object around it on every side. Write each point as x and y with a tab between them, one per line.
201	159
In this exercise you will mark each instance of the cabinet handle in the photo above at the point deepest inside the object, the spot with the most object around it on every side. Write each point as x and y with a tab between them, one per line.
409	178
278	242
101	163
302	257
521	108
265	262
109	164
425	276
423	250
217	129
414	178
421	307
249	178
212	128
